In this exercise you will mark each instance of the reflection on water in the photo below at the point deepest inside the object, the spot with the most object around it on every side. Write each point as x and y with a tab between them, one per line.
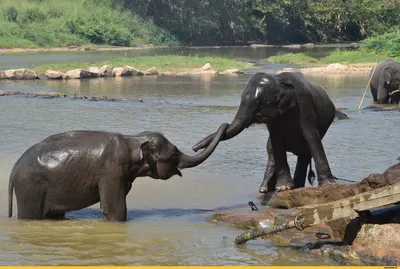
167	219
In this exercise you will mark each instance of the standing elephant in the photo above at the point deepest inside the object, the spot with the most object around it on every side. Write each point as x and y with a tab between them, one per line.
385	80
297	113
73	170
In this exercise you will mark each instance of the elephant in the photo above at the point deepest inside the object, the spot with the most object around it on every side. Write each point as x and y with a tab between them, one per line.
384	81
297	113
76	169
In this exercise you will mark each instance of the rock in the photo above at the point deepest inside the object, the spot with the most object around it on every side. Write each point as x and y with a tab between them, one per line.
331	192
206	67
79	73
52	74
122	72
152	71
231	71
10	74
2	74
106	71
337	66
2	93
25	74
133	69
13	92
20	74
378	244
94	70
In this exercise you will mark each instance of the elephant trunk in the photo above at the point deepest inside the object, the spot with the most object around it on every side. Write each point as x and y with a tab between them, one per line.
187	161
238	124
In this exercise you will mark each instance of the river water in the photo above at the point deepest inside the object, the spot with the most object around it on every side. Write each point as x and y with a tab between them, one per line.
167	219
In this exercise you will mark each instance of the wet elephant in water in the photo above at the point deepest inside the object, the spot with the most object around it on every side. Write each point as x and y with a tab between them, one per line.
73	170
385	81
297	113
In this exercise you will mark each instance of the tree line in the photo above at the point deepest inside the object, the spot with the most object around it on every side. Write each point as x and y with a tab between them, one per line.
210	22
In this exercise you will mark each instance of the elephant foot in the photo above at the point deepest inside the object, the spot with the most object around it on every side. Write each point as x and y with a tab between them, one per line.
326	181
263	190
284	185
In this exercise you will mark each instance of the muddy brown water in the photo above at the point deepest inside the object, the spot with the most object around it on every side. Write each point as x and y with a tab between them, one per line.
167	219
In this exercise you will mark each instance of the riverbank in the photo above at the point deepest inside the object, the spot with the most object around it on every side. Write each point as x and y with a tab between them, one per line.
368	239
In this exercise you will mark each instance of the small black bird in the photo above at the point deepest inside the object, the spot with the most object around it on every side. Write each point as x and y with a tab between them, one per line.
253	206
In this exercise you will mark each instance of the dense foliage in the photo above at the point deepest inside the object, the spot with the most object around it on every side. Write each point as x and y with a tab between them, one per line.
49	23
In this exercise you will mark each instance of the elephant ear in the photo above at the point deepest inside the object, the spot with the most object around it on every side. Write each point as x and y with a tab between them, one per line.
287	99
148	154
387	76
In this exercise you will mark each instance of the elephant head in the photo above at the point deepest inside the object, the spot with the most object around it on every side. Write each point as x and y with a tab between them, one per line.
391	81
162	159
264	98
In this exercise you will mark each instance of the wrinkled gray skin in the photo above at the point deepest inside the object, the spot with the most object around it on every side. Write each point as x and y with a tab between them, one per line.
297	113
385	79
73	170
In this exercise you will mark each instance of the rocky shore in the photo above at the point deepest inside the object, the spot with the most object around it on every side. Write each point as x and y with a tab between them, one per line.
207	69
370	239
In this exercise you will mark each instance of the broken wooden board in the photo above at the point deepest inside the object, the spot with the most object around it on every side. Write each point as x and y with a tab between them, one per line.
316	214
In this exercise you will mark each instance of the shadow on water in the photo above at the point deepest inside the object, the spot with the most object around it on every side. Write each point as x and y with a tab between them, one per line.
136	214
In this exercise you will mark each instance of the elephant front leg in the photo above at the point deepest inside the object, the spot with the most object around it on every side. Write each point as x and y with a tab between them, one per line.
284	179
269	181
308	123
113	199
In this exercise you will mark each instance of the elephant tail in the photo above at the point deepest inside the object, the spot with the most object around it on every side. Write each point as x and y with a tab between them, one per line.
311	175
10	198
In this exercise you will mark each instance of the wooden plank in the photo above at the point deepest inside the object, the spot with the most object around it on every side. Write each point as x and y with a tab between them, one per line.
316	214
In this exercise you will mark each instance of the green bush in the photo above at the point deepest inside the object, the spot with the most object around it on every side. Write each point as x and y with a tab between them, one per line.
387	43
11	14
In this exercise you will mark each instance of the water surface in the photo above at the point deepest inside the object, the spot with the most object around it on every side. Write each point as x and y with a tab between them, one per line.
167	219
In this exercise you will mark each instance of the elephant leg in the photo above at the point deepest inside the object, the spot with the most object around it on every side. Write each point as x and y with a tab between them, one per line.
300	172
284	179
269	181
31	201
113	198
308	123
55	215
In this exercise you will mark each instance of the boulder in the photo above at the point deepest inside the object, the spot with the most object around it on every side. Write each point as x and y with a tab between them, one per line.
79	73
2	93
231	71
94	70
331	192
152	71
52	74
206	67
19	74
106	71
337	66
25	74
122	72
13	92
133	69
378	244
2	74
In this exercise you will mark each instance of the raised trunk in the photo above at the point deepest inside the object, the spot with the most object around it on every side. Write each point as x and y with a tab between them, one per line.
237	126
187	161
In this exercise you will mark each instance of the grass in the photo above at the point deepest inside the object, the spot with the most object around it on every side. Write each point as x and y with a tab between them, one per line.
56	23
292	58
338	56
162	63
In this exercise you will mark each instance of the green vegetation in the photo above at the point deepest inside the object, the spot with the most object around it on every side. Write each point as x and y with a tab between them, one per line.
54	23
162	63
386	46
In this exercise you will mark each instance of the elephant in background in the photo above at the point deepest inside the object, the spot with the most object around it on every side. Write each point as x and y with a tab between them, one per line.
385	80
297	113
73	170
